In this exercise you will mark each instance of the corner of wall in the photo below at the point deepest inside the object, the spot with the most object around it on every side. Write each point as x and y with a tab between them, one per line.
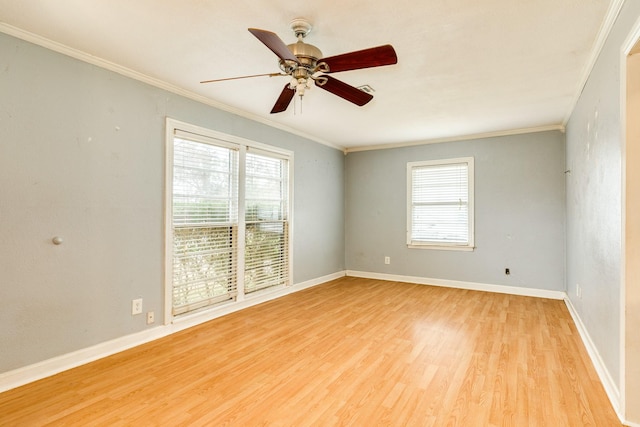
610	387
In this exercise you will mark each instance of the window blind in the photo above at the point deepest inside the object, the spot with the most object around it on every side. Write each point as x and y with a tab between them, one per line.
205	223
266	222
440	203
227	228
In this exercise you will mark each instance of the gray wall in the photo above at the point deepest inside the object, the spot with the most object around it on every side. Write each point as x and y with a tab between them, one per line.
594	191
519	212
82	157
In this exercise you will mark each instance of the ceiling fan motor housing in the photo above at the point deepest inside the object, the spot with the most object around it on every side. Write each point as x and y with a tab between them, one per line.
307	53
308	56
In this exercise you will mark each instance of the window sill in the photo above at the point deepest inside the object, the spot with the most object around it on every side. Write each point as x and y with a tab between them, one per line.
443	247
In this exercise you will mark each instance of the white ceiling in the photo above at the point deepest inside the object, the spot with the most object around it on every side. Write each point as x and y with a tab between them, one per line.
465	67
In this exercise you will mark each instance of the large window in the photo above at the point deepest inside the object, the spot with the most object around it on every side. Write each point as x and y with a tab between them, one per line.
440	204
227	217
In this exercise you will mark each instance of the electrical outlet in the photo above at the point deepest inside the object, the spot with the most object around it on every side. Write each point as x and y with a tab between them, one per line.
150	317
136	306
387	260
507	271
578	290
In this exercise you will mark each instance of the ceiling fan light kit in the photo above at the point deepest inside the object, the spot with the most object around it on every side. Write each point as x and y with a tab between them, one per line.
306	66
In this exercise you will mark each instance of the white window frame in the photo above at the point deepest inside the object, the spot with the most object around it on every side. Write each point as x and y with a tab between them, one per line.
421	244
285	209
174	127
198	225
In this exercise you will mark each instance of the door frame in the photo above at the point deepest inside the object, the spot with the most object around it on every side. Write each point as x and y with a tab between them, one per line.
627	288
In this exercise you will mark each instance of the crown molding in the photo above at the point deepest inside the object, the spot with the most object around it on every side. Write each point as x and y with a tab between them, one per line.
458	138
605	29
127	72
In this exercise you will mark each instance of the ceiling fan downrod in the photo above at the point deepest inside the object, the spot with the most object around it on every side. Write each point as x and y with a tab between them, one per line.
307	55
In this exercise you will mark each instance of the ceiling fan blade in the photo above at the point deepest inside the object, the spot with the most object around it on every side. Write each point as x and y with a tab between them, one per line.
283	100
366	58
275	43
244	77
343	90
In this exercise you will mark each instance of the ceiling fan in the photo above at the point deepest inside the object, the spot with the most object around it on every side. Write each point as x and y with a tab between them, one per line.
305	65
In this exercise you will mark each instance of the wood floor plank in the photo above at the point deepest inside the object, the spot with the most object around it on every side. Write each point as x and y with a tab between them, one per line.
355	352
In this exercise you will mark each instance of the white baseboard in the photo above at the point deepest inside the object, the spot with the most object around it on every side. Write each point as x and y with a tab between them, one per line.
46	368
512	290
319	280
609	385
603	373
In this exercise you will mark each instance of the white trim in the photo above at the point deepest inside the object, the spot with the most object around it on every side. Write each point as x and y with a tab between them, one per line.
167	217
629	43
127	72
441	245
494	134
46	368
485	287
241	242
605	378
111	66
49	367
605	29
179	133
291	218
623	224
603	373
318	281
178	129
221	136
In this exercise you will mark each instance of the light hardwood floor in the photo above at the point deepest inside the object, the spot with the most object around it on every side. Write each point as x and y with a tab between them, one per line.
351	352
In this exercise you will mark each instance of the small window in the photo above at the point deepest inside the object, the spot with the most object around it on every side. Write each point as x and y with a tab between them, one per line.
440	204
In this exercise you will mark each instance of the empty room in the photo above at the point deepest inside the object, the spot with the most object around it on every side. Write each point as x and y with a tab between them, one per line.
235	213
